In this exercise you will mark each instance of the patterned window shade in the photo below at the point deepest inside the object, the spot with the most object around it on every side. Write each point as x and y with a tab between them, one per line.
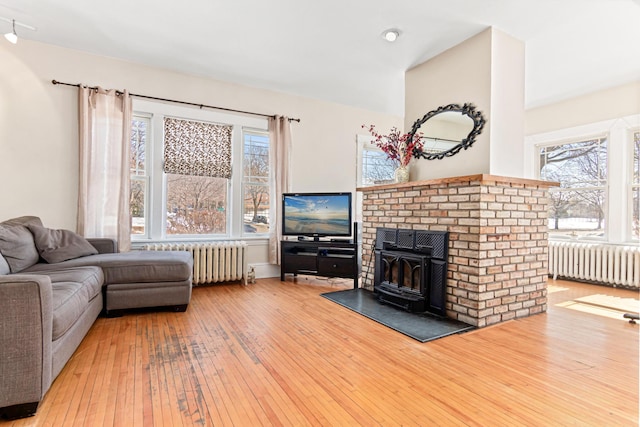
197	148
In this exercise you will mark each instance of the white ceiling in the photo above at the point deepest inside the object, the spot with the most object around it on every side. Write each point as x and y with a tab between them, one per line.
333	49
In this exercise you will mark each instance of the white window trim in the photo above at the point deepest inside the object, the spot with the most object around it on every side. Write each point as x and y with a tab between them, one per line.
157	202
618	168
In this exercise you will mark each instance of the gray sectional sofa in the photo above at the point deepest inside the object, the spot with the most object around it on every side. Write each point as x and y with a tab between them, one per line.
53	286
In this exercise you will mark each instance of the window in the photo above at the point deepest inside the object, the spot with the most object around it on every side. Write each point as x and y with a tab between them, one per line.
577	208
185	164
139	178
197	166
196	205
374	167
635	187
255	182
597	166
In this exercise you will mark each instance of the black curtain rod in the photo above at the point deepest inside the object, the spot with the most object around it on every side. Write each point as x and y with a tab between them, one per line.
193	104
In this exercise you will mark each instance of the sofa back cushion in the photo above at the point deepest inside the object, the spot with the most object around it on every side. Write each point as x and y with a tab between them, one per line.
60	245
23	220
16	244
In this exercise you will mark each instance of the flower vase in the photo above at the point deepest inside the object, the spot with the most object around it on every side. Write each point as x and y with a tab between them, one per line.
402	174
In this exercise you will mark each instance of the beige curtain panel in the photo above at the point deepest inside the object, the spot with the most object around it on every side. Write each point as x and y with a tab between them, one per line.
197	148
280	151
103	196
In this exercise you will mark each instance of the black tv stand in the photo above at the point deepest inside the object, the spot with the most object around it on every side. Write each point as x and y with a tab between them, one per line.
320	258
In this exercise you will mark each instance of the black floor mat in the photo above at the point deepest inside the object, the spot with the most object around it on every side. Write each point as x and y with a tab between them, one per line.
420	326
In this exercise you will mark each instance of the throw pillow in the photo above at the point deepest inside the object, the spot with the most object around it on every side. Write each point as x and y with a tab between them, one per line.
17	247
60	245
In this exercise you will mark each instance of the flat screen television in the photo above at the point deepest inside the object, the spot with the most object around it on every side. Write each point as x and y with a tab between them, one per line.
316	214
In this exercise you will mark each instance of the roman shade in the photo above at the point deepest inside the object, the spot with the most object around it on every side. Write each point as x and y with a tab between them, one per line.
197	148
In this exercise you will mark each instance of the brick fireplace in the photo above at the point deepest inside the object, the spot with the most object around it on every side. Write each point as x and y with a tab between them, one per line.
497	226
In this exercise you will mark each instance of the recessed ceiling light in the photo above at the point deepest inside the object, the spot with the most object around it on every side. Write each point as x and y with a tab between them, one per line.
391	35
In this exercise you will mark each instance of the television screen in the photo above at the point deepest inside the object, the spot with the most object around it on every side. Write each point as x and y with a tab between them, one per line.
316	214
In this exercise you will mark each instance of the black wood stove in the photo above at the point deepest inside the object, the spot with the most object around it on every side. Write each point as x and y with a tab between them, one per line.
411	269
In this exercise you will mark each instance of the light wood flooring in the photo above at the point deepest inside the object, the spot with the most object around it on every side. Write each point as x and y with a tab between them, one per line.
278	354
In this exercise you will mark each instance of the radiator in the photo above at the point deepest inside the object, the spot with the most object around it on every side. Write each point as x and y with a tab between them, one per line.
212	261
593	262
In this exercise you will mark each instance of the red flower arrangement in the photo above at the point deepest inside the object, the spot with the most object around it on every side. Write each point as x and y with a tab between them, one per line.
396	146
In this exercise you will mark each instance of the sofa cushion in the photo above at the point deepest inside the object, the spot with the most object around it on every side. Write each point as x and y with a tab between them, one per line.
91	277
17	247
69	302
72	289
135	266
60	245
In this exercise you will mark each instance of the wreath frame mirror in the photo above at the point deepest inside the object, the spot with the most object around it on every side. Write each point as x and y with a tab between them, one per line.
467	110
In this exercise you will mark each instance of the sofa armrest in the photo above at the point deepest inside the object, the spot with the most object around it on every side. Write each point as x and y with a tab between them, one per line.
26	316
103	245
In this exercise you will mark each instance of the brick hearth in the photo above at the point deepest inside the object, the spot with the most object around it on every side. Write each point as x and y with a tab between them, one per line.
497	240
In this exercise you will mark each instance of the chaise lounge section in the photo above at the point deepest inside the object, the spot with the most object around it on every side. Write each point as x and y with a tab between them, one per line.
46	308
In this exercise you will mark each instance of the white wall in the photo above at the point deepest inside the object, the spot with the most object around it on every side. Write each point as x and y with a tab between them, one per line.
486	70
507	105
611	103
459	75
39	137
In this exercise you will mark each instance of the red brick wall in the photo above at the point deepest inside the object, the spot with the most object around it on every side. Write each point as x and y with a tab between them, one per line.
497	240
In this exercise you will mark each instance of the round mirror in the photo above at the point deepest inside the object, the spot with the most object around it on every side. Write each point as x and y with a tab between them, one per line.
447	130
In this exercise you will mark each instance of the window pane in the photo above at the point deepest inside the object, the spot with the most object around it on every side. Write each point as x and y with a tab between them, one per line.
635	226
256	208
636	157
196	205
256	201
635	198
256	157
377	168
139	128
578	213
136	205
576	208
579	164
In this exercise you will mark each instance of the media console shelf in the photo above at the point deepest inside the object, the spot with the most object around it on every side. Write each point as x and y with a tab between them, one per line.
320	258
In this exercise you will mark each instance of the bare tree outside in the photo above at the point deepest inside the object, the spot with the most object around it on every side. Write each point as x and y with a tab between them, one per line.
376	167
137	167
578	206
559	202
196	204
256	182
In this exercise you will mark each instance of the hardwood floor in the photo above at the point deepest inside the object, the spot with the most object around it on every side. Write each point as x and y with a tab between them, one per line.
277	354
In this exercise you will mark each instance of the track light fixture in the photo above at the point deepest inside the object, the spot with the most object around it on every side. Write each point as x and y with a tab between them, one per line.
12	37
